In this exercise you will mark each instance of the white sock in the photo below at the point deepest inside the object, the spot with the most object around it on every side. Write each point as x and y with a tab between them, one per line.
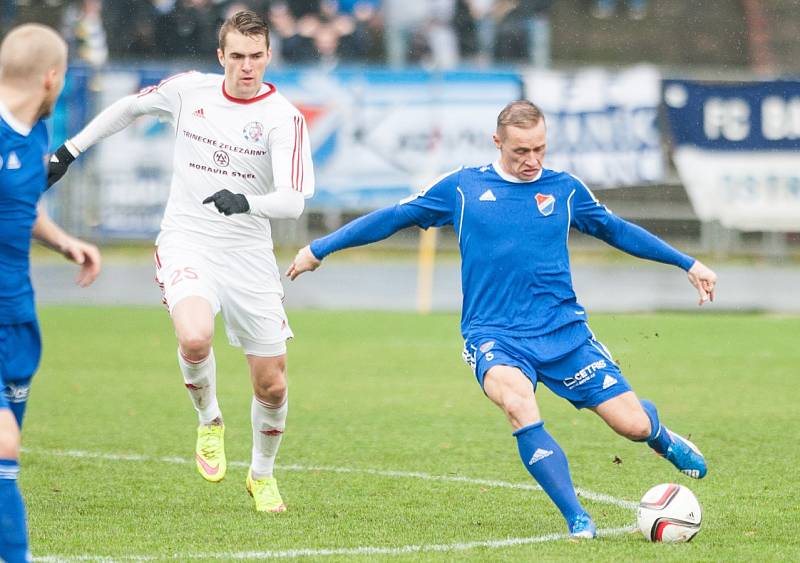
200	379
268	425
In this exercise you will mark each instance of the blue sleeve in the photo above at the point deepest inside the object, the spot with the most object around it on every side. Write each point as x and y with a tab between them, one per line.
432	207
372	227
591	217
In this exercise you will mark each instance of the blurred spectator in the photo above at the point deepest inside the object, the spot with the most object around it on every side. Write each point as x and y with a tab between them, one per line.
637	9
135	26
328	35
523	31
8	15
303	8
421	32
442	34
82	28
366	40
326	42
287	43
465	23
192	30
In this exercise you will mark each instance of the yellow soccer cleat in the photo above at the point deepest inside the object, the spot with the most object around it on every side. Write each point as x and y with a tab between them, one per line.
210	452
265	493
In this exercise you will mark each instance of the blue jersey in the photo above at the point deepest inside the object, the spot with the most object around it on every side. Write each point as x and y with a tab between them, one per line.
513	237
23	179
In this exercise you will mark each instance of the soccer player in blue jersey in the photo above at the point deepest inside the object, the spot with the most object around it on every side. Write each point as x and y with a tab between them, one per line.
521	321
33	60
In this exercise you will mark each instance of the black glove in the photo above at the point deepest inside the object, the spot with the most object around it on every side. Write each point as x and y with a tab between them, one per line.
59	162
228	202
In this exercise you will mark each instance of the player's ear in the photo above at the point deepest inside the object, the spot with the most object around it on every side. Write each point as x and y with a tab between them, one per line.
50	79
269	55
221	57
497	141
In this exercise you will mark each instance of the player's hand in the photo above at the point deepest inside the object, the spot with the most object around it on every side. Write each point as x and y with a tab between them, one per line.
304	261
85	254
59	162
704	279
228	202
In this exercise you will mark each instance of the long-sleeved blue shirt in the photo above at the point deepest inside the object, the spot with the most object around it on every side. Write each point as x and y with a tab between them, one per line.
513	237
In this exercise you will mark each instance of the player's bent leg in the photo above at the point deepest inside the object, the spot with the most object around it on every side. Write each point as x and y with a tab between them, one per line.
544	459
193	319
625	416
13	527
638	421
679	451
268	411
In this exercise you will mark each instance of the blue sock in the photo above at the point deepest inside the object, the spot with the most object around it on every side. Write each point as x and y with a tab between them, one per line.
545	461
13	531
659	438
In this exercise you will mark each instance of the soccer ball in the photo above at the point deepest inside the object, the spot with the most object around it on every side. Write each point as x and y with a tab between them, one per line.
669	513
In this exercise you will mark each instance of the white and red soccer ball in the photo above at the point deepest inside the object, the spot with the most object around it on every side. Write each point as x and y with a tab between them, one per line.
669	513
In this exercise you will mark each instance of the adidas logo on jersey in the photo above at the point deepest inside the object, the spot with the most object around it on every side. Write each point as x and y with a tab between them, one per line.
199	113
487	196
12	161
608	382
539	455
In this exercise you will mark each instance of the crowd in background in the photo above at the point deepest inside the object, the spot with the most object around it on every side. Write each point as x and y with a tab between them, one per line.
432	33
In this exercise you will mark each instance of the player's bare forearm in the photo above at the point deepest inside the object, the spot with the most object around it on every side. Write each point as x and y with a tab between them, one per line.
81	252
304	261
704	280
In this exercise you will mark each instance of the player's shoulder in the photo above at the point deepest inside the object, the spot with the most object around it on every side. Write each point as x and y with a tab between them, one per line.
451	177
482	170
280	104
181	81
562	178
440	185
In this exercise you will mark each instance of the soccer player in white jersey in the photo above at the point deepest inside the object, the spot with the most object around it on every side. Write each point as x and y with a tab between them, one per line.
238	132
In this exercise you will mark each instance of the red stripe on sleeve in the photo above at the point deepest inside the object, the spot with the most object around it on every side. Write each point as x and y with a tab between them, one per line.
294	156
300	155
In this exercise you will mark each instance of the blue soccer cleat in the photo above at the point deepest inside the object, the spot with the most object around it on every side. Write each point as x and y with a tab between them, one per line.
686	457
582	527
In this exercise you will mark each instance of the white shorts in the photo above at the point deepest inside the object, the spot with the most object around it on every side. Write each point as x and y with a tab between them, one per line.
243	284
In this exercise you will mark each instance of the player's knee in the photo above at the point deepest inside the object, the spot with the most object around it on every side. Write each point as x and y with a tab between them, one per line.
520	408
195	344
9	443
271	392
635	427
270	385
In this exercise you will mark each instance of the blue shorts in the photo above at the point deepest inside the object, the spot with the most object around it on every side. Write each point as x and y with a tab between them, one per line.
20	351
586	376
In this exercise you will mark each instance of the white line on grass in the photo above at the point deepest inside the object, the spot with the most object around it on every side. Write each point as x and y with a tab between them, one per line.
294	553
366	550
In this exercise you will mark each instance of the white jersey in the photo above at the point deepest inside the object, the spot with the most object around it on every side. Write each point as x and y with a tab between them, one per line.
254	147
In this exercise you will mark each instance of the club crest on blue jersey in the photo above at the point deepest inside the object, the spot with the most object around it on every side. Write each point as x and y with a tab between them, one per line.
546	203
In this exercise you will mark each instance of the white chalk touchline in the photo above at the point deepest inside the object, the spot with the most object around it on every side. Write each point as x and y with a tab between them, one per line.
364	550
294	553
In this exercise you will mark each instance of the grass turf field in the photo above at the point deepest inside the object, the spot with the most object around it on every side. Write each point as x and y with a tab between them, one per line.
391	451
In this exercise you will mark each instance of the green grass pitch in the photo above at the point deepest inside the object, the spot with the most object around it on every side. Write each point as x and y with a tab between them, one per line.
392	452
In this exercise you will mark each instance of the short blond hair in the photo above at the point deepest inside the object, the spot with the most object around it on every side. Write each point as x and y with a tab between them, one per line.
246	22
30	51
519	113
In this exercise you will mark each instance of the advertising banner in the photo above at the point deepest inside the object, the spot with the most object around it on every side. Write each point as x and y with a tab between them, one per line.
737	149
602	125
